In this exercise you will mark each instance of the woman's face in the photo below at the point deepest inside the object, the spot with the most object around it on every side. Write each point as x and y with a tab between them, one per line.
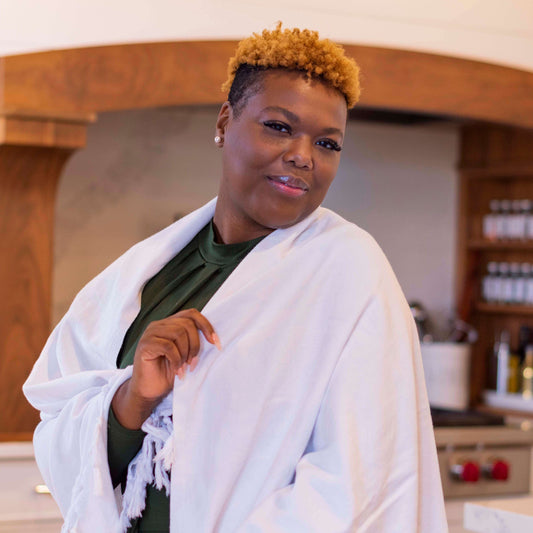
280	155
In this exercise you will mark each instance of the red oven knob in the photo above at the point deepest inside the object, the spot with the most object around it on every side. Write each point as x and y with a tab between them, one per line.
497	469
467	471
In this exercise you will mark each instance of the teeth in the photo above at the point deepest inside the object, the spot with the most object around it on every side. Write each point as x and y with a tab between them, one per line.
286	180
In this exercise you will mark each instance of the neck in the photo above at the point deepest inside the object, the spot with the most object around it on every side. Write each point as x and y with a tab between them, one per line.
227	232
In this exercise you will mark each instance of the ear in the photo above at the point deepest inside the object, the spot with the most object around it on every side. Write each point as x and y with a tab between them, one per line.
225	116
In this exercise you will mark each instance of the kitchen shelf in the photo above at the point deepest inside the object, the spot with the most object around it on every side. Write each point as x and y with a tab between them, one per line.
512	403
509	414
496	162
502	309
483	244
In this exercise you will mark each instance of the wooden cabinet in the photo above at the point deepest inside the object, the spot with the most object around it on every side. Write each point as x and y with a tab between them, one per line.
496	163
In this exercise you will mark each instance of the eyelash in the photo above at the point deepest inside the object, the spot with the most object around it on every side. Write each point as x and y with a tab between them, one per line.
280	126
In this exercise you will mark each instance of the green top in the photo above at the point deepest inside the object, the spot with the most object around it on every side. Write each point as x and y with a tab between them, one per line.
188	281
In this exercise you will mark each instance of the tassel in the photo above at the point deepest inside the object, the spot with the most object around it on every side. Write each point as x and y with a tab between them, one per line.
97	473
152	464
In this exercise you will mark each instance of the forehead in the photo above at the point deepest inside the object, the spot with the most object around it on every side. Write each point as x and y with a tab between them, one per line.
308	98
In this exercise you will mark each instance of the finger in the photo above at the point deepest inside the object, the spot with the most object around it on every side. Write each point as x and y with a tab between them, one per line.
194	340
156	346
183	333
194	363
216	341
166	348
203	325
180	337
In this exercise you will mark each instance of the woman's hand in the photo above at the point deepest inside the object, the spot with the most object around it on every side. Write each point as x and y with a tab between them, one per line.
163	351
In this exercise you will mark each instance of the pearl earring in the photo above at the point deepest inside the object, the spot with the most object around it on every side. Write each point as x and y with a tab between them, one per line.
218	139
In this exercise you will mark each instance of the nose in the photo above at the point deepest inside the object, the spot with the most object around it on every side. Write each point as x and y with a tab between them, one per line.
300	153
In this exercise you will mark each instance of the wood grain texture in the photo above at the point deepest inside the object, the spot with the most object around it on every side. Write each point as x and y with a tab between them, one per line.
16	437
28	178
491	149
177	73
24	129
117	77
430	83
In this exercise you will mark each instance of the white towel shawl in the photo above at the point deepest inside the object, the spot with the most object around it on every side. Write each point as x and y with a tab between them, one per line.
312	418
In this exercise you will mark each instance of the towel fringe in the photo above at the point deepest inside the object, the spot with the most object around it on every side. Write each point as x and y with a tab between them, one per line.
152	464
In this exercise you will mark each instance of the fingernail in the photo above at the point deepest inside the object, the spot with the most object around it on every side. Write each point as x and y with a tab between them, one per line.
193	363
181	373
216	341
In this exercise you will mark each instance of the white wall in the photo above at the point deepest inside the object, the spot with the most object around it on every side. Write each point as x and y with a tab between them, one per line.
140	168
499	31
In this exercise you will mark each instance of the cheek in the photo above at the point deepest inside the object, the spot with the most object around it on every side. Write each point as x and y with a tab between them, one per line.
326	172
249	161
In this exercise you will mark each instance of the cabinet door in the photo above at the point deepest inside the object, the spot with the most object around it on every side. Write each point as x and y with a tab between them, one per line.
22	508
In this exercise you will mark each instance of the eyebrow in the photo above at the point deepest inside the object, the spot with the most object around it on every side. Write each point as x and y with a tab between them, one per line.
296	119
291	116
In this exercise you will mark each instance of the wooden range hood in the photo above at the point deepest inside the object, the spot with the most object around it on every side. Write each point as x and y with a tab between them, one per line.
48	99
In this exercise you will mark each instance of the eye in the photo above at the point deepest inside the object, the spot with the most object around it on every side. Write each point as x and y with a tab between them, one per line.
329	144
277	126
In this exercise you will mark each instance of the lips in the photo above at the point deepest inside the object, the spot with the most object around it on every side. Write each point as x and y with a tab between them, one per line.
289	185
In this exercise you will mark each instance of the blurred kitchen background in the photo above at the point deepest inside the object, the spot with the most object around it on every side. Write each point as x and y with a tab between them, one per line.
141	169
405	177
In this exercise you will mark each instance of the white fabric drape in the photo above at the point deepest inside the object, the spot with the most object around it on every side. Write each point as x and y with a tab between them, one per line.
312	418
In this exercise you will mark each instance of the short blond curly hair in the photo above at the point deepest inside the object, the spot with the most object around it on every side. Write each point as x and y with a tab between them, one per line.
299	50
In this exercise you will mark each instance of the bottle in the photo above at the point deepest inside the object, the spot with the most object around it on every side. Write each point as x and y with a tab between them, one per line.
521	284
525	336
505	284
503	219
490	221
524	339
515	216
528	297
513	379
517	283
489	283
529	223
525	211
502	363
492	365
527	373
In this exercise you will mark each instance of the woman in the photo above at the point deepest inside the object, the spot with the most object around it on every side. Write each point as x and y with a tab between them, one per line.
299	403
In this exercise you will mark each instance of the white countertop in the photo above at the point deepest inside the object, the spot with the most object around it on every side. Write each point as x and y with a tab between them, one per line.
505	515
16	450
20	500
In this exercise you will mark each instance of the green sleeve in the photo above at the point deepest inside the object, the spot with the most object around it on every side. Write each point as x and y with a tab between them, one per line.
122	446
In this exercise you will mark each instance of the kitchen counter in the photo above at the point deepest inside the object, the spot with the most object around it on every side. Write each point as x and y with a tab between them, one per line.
505	515
25	505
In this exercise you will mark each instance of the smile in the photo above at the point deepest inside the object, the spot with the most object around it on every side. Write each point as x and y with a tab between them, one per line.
288	185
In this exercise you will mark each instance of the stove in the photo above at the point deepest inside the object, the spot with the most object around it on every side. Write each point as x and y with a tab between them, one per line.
453	418
481	454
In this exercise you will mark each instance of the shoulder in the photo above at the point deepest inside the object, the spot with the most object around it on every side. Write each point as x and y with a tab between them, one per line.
344	244
356	262
351	264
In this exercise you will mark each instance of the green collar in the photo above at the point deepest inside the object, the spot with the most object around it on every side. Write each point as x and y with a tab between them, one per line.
222	254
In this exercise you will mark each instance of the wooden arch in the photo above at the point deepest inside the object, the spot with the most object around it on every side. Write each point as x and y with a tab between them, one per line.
47	99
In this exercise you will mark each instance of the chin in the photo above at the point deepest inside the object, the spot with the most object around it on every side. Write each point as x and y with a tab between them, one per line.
275	221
